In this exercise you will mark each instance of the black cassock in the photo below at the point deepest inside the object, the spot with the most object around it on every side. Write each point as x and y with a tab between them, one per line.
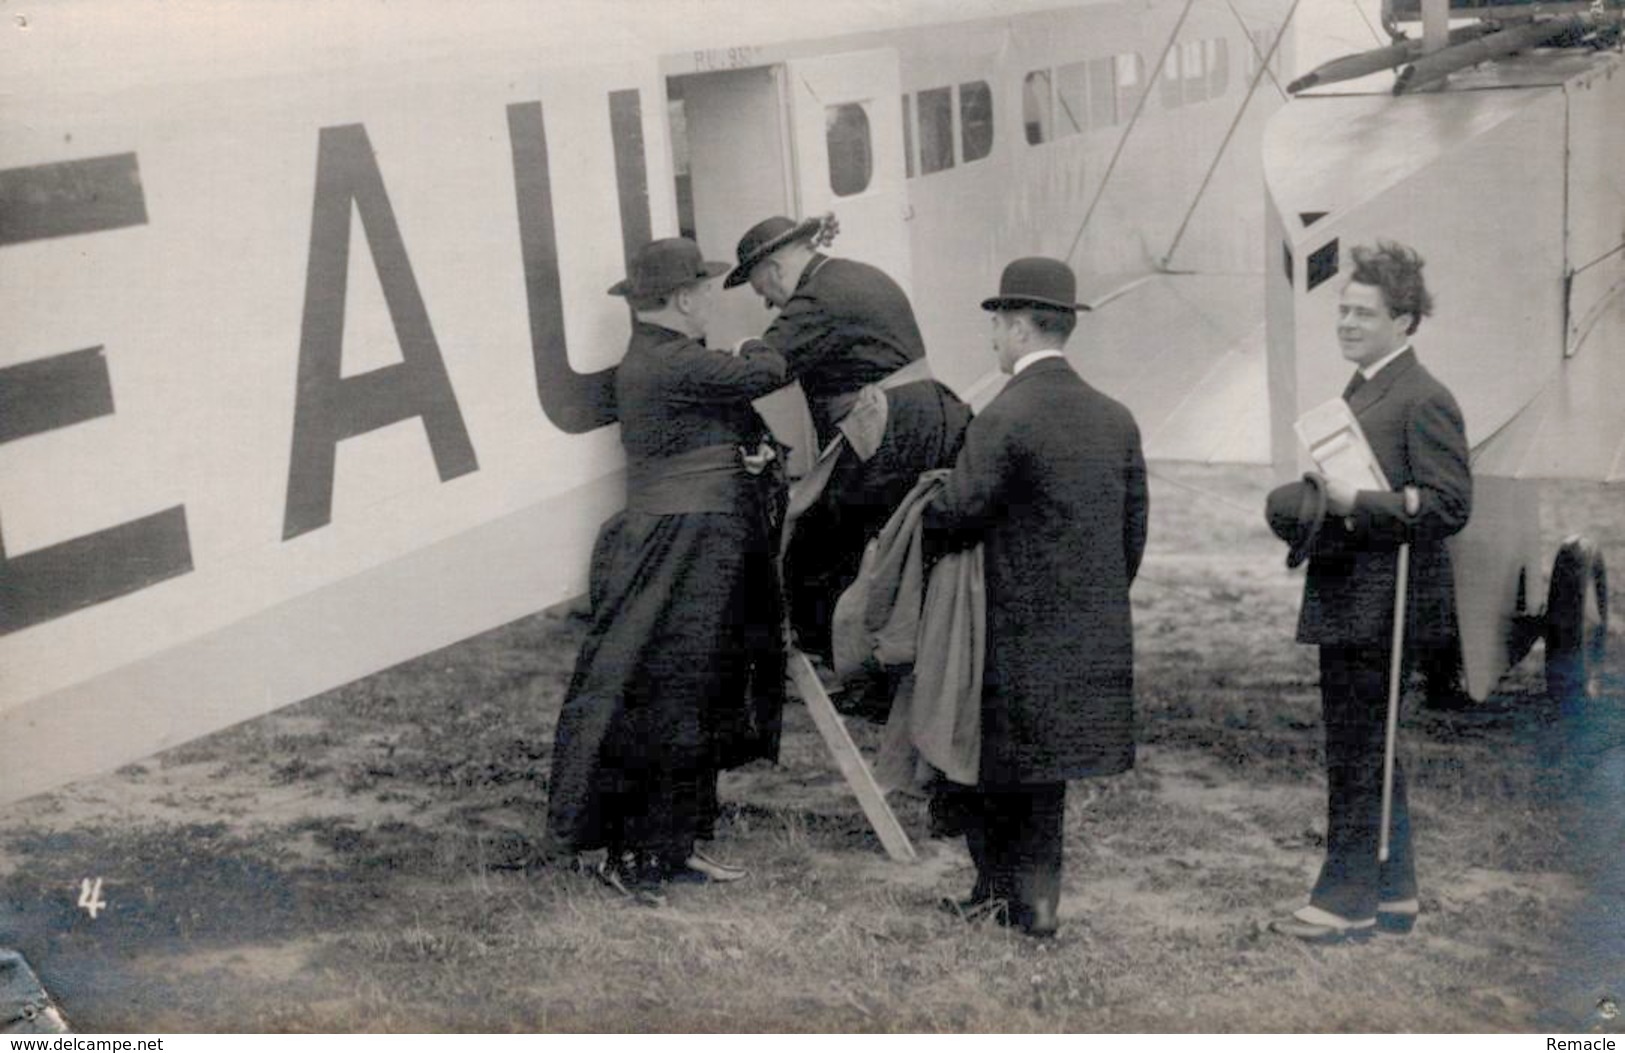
682	671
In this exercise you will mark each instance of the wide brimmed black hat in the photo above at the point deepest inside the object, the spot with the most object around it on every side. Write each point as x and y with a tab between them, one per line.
664	265
766	238
1295	513
1036	281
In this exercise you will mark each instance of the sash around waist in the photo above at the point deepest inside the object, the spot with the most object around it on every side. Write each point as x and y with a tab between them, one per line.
709	479
838	406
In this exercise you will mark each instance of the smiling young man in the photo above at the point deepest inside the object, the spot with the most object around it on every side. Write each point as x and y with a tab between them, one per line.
1416	432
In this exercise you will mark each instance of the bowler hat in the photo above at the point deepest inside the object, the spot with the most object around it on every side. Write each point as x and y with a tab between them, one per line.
1036	281
664	265
766	238
1295	512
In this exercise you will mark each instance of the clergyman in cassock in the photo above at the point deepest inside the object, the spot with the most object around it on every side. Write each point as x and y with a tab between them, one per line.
848	334
1352	539
1052	482
682	671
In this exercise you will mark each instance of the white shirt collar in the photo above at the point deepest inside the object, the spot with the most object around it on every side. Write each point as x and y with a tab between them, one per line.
1035	356
1376	367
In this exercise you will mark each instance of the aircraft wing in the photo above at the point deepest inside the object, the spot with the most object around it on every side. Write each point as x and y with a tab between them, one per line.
1185	353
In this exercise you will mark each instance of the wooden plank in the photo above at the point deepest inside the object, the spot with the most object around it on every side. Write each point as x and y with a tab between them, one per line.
849	760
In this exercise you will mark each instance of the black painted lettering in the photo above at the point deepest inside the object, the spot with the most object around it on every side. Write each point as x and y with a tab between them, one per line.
70	197
49	582
574	402
330	407
52	201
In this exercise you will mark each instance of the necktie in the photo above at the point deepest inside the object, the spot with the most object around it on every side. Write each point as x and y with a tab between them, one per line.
1355	383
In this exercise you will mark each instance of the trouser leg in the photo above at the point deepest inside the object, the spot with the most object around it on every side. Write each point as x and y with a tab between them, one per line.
1038	812
1354	693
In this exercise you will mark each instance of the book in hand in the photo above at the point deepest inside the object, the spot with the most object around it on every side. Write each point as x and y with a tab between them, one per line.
1338	446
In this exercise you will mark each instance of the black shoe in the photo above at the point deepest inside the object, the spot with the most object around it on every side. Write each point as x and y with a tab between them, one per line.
630	876
1041	920
1398	917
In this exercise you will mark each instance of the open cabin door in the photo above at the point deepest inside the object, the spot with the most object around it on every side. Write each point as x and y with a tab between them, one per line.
846	136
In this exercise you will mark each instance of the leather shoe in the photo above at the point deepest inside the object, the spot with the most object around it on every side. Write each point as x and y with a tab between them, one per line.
1316	926
1398	917
701	867
628	878
1041	921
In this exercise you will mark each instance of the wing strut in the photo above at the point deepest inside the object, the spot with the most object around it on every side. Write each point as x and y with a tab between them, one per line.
1241	111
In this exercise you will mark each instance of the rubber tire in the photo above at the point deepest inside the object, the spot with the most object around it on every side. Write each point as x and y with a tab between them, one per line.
1576	620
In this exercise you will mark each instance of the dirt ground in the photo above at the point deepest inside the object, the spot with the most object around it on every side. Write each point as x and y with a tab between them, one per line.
366	860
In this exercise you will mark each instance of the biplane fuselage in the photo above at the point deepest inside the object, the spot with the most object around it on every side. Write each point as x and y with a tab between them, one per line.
308	354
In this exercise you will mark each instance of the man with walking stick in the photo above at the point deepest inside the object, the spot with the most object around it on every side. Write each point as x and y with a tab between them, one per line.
1378	595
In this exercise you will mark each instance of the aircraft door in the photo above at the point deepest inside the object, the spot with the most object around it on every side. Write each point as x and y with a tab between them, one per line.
846	135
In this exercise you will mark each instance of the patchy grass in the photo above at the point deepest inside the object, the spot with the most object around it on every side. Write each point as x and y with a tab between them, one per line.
367	860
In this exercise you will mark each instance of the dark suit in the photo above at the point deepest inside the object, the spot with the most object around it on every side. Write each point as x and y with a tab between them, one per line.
1416	433
848	325
1052	482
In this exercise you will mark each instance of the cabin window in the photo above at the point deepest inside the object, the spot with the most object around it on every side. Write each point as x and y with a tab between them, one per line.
1217	54
936	112
1322	263
1130	79
975	120
1071	99
1172	97
851	158
908	137
1193	70
1037	114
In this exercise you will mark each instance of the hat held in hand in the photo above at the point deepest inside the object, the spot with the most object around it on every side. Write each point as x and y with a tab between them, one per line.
1296	512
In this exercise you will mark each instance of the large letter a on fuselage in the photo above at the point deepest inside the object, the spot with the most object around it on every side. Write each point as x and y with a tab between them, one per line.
330	407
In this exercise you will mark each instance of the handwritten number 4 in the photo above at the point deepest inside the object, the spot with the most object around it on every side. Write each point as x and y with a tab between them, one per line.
90	896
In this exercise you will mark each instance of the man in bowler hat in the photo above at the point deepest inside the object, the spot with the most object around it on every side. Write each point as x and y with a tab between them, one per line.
682	671
849	335
1052	482
1352	540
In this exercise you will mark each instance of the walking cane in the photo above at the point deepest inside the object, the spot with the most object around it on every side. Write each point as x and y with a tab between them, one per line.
1401	584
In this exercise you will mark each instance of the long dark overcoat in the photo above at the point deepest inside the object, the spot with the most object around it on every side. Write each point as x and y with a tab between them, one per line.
1416	433
682	671
1052	481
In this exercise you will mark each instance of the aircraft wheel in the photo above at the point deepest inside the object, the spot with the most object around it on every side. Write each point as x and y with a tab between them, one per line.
1576	620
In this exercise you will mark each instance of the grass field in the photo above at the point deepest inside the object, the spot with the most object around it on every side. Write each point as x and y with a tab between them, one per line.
366	860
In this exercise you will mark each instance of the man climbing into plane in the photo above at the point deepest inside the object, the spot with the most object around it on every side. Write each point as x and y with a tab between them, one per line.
848	334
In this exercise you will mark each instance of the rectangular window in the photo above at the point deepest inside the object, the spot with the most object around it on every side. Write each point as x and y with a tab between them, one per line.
1193	67
975	120
936	111
1172	98
1037	114
1130	82
1102	93
908	137
851	157
1071	99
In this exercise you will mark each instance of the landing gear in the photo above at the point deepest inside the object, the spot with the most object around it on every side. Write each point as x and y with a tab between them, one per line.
1576	620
